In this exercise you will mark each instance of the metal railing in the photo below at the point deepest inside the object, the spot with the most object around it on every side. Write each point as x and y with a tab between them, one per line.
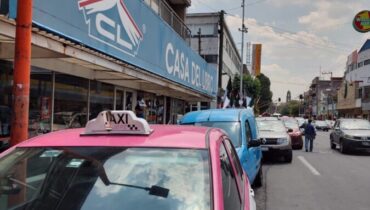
162	9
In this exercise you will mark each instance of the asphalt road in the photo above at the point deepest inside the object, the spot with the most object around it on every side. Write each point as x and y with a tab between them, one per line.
322	180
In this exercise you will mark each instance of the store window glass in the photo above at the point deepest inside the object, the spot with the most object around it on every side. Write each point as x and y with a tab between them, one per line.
178	110
40	101
119	99
150	107
70	109
129	100
101	98
6	78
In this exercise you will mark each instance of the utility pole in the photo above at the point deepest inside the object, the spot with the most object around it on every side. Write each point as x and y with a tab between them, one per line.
220	53
243	30
199	41
22	71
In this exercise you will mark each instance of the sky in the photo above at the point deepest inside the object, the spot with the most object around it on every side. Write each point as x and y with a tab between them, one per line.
300	38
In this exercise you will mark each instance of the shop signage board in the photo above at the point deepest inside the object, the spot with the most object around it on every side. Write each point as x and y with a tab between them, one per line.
361	22
130	31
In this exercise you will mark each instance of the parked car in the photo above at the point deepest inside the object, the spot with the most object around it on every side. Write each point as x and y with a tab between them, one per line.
295	133
275	139
321	125
350	135
240	125
120	162
330	123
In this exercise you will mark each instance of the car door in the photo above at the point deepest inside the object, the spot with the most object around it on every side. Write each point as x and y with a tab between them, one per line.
230	179
250	163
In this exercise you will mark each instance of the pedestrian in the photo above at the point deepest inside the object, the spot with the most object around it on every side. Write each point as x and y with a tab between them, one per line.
309	134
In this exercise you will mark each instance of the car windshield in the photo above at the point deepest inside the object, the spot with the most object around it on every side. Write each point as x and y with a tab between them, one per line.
270	125
355	125
231	128
291	124
96	178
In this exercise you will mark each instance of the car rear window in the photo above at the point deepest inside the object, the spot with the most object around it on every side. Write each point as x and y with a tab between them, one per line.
92	178
232	129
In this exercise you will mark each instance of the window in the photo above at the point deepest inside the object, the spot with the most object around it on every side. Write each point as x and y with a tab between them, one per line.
235	160
360	64
211	58
101	97
70	101
367	62
229	185
248	131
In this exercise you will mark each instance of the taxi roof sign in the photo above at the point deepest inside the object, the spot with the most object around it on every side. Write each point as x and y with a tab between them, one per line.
117	122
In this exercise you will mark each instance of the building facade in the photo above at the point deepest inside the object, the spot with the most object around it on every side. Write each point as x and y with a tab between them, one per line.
88	57
321	99
358	71
213	41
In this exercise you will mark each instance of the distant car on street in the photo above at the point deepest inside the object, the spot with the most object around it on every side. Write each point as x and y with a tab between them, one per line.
294	133
321	125
275	139
121	162
330	123
301	121
350	135
240	125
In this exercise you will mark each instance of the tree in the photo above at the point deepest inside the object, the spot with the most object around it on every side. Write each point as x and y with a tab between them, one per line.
290	108
265	99
251	88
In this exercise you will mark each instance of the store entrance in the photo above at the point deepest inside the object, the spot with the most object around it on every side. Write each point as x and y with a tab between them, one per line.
124	99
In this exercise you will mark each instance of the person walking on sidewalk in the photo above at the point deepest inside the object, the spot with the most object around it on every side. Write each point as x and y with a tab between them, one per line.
309	134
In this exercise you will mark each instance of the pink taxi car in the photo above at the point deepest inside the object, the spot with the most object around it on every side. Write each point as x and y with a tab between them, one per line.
120	162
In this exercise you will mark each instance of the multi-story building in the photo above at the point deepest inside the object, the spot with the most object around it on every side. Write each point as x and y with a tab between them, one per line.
88	56
321	98
358	71
212	39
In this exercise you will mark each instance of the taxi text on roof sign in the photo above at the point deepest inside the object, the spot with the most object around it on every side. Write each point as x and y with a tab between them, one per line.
117	122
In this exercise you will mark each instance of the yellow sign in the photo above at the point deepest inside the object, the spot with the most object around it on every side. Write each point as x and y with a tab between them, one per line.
256	64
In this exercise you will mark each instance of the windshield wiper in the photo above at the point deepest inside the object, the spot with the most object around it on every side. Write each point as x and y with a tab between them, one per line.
153	190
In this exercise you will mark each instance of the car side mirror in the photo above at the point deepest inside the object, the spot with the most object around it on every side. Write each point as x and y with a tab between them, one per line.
254	143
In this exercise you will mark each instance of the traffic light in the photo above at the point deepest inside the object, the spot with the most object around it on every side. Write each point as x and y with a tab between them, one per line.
279	99
300	96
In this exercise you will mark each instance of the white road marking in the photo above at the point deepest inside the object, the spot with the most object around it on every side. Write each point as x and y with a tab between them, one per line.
309	166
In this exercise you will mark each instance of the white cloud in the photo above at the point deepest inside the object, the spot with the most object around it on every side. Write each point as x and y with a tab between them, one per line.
281	3
291	60
330	14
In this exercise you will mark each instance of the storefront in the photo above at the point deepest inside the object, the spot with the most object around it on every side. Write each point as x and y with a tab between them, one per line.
78	72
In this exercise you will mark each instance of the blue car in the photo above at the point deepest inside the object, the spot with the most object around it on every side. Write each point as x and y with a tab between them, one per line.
240	125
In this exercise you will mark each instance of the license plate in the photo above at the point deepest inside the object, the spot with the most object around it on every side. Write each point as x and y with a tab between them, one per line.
366	143
264	149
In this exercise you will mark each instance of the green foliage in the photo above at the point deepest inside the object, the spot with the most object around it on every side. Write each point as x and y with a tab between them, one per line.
251	87
290	109
265	94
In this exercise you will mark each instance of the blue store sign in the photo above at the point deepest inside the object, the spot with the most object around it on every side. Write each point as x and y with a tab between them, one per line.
129	31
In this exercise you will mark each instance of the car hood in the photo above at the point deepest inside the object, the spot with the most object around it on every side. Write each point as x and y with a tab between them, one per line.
357	132
270	134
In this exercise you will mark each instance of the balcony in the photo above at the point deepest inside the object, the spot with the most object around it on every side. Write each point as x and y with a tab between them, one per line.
164	10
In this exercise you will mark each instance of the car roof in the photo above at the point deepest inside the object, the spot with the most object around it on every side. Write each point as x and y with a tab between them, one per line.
169	136
216	115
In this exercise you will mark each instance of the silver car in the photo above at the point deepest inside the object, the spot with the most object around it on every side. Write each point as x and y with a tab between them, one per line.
275	139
